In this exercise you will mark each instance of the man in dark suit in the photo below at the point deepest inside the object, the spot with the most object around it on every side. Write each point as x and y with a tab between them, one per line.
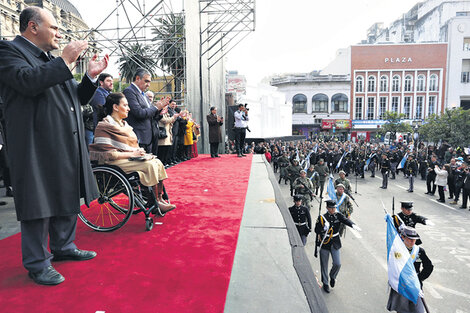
142	111
215	134
49	163
99	98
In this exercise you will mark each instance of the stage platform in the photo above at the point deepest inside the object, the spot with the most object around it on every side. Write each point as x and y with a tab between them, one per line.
228	247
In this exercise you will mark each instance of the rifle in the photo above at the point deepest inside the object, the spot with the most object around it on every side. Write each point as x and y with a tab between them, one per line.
316	236
310	192
350	196
393	206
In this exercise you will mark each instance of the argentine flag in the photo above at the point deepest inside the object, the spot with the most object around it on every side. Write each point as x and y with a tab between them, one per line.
402	162
341	160
330	189
402	275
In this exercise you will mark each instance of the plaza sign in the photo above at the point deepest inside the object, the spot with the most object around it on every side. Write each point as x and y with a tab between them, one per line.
398	60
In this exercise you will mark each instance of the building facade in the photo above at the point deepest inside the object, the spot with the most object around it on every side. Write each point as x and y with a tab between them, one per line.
320	103
403	78
69	20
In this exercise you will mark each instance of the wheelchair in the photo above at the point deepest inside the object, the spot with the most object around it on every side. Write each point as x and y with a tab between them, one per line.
120	196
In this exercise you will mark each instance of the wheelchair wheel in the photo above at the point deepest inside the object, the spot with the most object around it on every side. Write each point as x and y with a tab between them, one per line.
115	204
148	223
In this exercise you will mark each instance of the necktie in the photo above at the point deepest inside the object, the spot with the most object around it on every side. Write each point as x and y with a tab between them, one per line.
146	99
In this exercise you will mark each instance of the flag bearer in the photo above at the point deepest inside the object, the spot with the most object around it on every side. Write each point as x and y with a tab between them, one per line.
423	267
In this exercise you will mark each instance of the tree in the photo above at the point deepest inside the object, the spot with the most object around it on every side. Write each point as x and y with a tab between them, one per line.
171	51
136	57
453	126
394	124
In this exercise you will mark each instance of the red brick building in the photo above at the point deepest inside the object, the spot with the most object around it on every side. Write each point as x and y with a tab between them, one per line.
405	78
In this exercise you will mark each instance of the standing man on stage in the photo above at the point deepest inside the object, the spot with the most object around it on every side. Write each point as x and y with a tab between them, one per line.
99	99
327	232
215	134
142	111
241	124
301	217
397	302
48	155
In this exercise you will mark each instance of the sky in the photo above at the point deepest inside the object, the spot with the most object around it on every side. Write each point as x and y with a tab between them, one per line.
291	36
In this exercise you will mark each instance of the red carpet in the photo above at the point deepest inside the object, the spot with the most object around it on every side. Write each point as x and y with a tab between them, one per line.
183	265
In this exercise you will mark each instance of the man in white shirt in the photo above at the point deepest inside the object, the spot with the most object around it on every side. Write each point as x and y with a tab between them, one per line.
241	119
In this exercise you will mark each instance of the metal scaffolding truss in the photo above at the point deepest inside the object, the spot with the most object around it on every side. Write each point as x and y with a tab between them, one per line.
229	22
148	33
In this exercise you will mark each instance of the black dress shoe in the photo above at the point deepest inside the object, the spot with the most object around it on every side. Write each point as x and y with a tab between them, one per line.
326	288
461	207
439	200
410	190
9	192
75	255
48	276
332	283
217	156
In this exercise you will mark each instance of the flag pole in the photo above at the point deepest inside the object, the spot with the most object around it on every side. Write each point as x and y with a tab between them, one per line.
425	305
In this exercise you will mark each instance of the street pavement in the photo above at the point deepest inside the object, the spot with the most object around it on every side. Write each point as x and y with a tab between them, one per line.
362	282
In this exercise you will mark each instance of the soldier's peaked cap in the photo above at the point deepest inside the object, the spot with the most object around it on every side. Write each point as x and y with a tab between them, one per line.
407	204
410	232
298	198
330	203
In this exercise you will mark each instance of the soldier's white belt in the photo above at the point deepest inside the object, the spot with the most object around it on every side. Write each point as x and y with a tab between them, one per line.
301	224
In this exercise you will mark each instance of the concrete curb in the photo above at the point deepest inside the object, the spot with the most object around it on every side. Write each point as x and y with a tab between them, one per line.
302	265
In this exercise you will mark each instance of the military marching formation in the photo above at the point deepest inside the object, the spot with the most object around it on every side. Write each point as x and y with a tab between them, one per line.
307	166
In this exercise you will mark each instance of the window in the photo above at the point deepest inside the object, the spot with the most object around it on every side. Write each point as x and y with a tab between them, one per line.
384	83
466	44
299	103
407	107
465	71
396	83
395	104
433	82
359	84
432	105
408	83
320	102
419	107
420	84
340	102
370	108
358	108
371	84
382	107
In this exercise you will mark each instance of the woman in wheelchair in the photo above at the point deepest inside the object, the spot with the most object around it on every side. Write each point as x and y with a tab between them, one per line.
116	144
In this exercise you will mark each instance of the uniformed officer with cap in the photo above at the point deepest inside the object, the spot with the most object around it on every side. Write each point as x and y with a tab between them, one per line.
397	302
408	218
411	170
301	217
327	232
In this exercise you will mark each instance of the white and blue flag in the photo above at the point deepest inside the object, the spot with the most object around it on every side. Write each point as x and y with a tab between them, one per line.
402	162
330	189
402	275
341	160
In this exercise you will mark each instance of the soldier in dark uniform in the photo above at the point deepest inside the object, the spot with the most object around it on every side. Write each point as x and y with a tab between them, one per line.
407	218
394	159
423	164
411	170
360	162
431	178
423	267
327	232
301	217
384	169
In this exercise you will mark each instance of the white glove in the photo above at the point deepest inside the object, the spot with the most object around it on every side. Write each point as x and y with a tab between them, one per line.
327	226
1	146
355	227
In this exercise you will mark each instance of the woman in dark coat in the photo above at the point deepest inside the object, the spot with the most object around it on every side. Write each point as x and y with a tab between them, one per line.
215	134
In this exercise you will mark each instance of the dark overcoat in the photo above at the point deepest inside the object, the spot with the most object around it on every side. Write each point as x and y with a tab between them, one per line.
49	162
215	134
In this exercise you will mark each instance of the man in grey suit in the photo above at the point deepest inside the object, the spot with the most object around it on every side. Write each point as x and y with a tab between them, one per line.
48	156
142	111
